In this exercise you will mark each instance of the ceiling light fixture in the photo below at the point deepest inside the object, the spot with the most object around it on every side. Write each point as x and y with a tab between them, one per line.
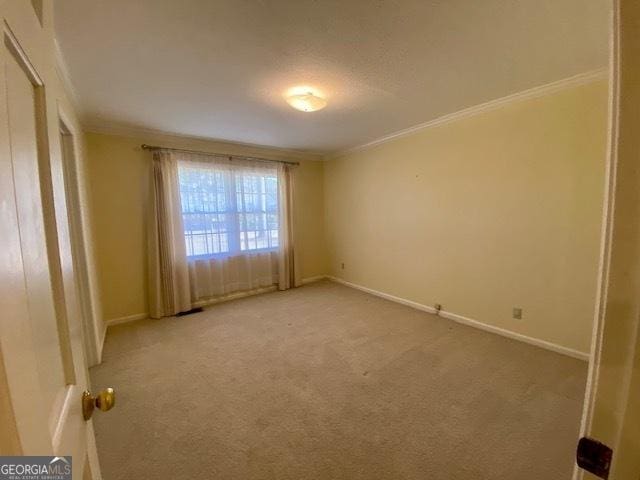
307	102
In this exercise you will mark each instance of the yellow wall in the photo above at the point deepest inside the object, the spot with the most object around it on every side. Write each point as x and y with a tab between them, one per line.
118	172
489	212
494	211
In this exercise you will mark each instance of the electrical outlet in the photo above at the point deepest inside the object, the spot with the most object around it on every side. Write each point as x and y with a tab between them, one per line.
517	313
342	266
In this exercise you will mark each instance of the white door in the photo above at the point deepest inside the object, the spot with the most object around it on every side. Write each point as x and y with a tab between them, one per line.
42	364
612	404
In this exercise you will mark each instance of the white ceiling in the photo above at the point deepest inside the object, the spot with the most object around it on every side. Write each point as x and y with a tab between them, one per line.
218	68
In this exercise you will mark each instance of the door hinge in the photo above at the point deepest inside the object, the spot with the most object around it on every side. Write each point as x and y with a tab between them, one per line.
594	457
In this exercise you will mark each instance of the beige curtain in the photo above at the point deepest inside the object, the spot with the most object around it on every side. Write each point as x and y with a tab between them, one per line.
286	257
235	268
169	289
215	277
177	282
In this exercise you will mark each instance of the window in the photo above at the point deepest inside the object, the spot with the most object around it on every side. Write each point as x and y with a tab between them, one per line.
227	211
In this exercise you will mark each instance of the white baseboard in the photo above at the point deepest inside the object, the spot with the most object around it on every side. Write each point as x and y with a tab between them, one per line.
554	347
418	306
127	319
317	278
386	296
470	322
202	303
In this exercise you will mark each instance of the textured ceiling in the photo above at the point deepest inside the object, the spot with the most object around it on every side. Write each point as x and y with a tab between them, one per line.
219	68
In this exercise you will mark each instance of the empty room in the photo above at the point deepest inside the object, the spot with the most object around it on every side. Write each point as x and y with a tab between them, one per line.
318	239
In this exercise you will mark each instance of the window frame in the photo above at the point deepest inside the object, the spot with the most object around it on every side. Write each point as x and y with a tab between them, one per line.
235	190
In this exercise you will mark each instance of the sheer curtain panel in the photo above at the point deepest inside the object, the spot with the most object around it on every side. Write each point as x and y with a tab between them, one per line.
169	289
236	216
286	258
219	225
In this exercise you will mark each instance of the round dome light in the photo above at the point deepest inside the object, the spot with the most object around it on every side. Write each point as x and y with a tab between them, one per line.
307	102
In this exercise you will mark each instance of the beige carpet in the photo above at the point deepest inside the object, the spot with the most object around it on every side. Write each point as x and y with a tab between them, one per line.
326	382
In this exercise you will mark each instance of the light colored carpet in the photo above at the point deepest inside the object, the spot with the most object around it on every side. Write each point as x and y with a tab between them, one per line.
327	382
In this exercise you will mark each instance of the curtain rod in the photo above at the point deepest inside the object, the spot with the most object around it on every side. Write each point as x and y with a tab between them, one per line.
155	147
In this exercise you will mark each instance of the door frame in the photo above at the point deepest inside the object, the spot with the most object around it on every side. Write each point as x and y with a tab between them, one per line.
608	243
597	335
71	168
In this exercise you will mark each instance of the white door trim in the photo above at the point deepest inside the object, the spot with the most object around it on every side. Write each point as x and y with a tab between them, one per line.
92	336
607	229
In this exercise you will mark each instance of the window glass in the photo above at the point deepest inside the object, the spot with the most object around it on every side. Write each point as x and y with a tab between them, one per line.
228	211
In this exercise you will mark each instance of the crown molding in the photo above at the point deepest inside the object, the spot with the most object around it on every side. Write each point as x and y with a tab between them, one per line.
107	127
104	127
62	69
535	92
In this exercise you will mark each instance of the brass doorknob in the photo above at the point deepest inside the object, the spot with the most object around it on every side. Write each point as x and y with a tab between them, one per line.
105	401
